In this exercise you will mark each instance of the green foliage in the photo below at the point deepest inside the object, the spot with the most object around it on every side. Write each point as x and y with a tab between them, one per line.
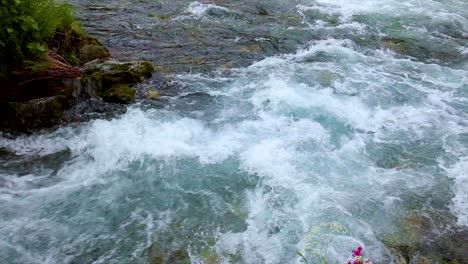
26	26
72	59
317	241
34	66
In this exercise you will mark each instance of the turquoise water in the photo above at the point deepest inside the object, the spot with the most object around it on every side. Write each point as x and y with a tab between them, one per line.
363	124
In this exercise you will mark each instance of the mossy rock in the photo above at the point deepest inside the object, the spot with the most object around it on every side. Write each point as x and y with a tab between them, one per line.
91	52
416	227
113	72
424	238
33	114
419	49
119	93
397	45
178	256
455	247
167	252
327	78
153	95
99	79
73	43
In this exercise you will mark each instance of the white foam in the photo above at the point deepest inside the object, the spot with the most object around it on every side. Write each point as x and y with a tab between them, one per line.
197	10
308	143
459	172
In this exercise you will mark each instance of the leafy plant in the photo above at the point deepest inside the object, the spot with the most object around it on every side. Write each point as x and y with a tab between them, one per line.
26	26
318	240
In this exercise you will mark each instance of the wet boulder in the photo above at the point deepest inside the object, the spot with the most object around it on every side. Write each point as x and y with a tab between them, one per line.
419	49
454	246
113	80
33	114
77	47
167	249
91	52
428	238
119	93
396	45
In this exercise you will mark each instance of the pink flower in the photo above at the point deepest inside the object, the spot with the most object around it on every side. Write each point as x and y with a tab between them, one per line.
357	252
358	257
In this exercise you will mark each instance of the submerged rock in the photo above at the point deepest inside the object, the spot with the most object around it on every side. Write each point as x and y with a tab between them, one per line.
418	49
153	95
178	256
167	250
454	246
397	45
423	238
22	165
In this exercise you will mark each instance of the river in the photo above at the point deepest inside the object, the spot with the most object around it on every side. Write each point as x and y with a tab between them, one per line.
286	125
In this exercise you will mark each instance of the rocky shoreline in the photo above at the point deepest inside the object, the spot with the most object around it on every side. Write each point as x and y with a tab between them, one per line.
60	93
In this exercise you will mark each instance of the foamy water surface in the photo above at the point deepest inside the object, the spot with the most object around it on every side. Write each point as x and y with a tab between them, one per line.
239	167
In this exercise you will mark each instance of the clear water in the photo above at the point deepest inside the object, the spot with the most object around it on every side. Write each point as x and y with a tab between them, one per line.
242	164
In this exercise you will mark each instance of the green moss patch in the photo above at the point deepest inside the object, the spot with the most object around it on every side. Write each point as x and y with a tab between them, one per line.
33	114
103	79
119	93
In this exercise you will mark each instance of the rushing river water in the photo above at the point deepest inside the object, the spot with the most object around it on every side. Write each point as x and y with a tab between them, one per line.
284	117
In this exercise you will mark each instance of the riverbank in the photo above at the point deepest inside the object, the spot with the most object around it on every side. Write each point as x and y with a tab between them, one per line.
70	76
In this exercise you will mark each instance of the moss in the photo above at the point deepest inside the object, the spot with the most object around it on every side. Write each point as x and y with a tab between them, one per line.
143	69
34	114
104	76
397	45
36	66
91	52
153	95
72	59
209	256
195	61
327	78
119	93
423	238
78	31
74	41
252	48
177	256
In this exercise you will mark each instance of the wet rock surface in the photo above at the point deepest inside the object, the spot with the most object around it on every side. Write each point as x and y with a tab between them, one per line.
103	84
189	36
77	47
22	165
429	238
201	36
99	78
34	114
